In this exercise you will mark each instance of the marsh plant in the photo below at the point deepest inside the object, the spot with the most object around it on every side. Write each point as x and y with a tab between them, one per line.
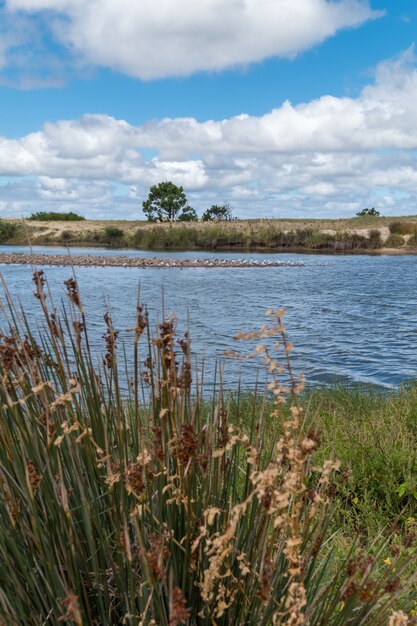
151	506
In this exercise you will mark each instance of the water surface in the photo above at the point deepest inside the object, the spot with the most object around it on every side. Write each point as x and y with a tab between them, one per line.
352	319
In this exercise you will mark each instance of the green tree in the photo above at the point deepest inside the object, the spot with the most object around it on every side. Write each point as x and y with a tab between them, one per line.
167	203
188	215
372	212
218	212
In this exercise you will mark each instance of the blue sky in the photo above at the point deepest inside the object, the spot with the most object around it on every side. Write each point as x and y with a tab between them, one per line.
297	109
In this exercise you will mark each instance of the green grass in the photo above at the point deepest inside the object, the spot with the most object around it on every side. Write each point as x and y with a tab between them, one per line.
154	504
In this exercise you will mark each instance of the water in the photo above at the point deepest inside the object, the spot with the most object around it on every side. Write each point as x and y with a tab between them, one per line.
352	319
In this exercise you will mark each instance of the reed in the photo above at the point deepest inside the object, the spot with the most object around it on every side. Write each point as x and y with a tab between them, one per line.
151	505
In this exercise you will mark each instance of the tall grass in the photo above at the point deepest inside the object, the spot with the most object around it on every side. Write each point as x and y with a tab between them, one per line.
151	506
250	235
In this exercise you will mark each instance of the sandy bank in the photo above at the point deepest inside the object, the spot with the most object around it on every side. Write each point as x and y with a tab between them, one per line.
143	263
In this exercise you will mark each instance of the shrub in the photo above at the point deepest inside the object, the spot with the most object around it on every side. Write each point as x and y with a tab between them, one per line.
8	230
112	236
412	240
375	239
67	236
50	216
403	228
150	506
394	241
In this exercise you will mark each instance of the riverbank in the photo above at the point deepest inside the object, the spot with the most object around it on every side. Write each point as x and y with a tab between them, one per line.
364	234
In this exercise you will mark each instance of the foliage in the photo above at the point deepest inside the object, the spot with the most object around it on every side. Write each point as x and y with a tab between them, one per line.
218	212
50	216
152	506
112	236
8	230
167	202
371	212
188	215
395	241
401	227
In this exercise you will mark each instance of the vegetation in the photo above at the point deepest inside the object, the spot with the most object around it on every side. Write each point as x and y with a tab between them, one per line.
276	234
369	212
240	235
8	230
395	241
50	216
403	228
167	202
155	505
217	212
112	236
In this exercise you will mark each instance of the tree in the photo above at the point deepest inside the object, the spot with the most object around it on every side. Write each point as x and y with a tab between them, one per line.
167	203
372	212
218	212
188	215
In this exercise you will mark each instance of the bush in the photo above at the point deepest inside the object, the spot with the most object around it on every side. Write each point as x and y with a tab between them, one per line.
368	212
394	241
8	230
403	228
375	239
413	240
151	507
112	236
45	216
67	236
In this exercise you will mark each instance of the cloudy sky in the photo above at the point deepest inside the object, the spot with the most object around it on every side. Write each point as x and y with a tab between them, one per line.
284	108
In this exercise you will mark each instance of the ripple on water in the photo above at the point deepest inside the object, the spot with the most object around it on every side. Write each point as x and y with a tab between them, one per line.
352	319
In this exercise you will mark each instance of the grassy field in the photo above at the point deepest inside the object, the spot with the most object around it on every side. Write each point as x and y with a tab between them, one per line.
156	503
333	235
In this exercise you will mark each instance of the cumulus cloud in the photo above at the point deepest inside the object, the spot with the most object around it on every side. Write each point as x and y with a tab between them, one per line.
179	37
327	153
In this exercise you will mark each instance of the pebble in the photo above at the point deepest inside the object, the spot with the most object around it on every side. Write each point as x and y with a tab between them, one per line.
140	262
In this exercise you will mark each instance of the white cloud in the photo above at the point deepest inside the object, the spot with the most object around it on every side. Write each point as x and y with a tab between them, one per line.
149	40
331	152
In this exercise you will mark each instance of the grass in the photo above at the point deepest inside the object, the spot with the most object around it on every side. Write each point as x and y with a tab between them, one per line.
268	236
156	505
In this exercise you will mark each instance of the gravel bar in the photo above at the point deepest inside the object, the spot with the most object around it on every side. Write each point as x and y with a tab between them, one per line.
143	263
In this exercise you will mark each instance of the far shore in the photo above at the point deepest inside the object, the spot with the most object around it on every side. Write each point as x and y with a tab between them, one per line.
358	235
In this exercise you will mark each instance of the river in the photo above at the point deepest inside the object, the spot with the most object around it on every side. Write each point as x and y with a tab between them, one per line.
352	319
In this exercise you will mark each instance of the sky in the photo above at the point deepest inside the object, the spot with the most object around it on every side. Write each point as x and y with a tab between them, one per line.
282	108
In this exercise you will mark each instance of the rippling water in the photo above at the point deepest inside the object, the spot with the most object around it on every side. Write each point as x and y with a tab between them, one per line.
351	318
